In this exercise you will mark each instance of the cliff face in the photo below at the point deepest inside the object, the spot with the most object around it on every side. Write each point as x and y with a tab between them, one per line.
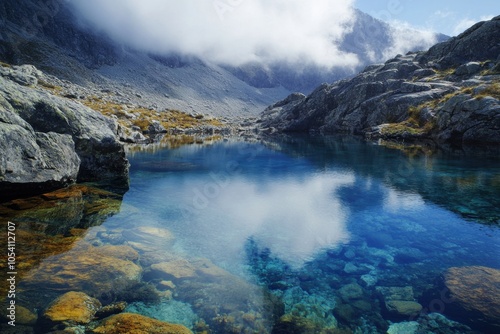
449	93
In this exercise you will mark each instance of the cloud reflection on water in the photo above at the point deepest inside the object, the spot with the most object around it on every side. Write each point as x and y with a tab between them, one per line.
293	218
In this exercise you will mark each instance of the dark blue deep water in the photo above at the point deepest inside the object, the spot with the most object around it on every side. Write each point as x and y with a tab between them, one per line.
305	235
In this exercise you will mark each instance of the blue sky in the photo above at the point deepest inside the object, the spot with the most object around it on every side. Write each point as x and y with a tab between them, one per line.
449	17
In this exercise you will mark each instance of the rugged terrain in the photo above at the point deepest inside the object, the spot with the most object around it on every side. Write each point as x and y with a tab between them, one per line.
66	119
449	94
48	142
51	36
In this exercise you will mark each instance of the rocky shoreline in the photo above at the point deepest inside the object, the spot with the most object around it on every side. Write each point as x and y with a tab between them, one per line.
55	133
448	94
49	142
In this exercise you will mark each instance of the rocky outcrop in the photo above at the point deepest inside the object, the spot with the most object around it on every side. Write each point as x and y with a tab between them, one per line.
474	295
450	94
48	142
478	43
29	26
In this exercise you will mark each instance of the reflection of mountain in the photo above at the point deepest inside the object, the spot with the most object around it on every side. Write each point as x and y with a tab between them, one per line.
464	183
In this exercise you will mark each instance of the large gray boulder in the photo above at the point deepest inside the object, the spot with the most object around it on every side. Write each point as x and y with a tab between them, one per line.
33	161
465	118
47	141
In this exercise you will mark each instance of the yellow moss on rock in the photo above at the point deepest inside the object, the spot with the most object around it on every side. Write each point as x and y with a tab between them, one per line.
143	117
137	324
72	307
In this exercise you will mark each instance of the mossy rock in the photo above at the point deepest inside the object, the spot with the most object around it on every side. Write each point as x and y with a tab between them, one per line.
137	324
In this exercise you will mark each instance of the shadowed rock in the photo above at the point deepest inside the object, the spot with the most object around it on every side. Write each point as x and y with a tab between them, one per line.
474	295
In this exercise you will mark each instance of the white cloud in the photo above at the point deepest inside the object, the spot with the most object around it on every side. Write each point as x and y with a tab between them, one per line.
229	31
407	38
443	14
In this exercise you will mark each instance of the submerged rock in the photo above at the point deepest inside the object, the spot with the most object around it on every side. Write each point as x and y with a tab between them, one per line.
72	308
24	316
295	324
399	301
169	311
61	210
308	309
137	324
85	268
148	238
351	292
407	327
226	302
111	309
176	269
403	307
474	295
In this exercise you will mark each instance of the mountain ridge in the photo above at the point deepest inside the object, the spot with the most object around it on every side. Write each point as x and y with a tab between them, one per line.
449	93
49	35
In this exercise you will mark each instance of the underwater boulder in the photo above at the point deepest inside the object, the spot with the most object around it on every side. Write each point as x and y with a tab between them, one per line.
474	295
86	268
72	308
138	324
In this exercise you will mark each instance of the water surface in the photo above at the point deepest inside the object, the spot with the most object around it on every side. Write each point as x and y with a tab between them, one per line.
299	234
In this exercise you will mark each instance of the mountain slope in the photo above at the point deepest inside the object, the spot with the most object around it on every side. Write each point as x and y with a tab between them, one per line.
50	36
371	40
449	93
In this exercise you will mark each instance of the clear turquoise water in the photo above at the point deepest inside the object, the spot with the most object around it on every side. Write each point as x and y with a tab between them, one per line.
310	228
304	217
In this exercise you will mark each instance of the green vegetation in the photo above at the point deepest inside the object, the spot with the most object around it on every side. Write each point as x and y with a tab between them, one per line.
403	129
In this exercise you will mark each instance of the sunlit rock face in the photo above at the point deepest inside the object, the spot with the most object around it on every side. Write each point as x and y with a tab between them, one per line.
49	142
